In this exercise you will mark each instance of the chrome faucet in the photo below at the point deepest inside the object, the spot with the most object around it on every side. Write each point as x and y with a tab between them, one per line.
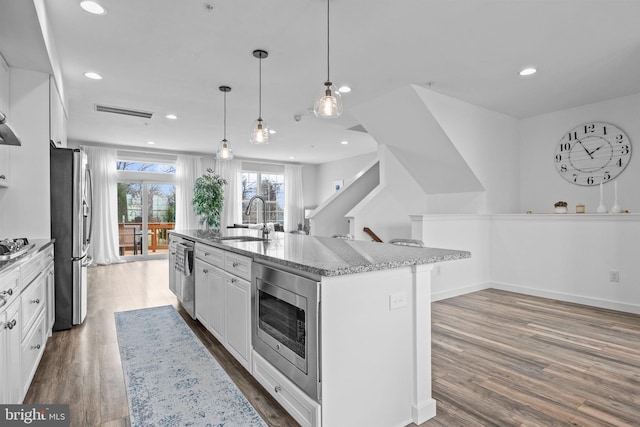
265	229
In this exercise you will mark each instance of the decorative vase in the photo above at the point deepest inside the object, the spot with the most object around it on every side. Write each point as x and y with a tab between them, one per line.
561	210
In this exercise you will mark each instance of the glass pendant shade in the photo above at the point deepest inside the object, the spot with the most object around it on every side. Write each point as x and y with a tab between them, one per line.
328	103
224	150
260	132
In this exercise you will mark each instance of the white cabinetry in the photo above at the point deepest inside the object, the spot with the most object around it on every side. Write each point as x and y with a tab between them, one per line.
13	352
210	297
223	299
301	407
25	323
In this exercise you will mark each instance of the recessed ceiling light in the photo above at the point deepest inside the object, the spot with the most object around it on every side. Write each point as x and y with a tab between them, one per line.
93	76
92	7
344	142
171	116
344	89
151	143
528	71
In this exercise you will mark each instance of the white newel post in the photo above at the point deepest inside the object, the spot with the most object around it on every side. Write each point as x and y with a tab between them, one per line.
424	406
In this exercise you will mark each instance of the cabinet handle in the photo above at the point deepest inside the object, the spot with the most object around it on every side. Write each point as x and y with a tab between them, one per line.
278	389
3	177
206	254
235	265
234	280
51	273
205	271
35	347
35	301
11	324
7	292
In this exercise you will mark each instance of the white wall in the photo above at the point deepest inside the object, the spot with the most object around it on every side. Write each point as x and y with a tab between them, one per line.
568	257
541	185
488	142
462	232
25	204
345	169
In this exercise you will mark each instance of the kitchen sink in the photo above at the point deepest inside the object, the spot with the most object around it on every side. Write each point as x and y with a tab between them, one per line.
243	238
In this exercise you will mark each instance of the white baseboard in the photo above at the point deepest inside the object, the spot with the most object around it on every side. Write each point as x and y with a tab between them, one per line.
594	302
611	305
460	291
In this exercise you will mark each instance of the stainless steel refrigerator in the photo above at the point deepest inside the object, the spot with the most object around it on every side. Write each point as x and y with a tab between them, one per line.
71	226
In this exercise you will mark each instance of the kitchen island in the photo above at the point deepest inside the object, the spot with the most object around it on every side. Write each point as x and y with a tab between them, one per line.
372	331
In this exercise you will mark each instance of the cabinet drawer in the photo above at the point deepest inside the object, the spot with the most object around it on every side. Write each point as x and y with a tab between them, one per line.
238	265
10	282
33	301
47	254
30	269
32	349
213	256
301	407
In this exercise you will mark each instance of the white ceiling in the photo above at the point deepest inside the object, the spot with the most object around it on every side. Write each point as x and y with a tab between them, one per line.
168	56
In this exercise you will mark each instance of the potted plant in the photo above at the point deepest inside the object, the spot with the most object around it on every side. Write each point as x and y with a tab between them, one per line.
208	198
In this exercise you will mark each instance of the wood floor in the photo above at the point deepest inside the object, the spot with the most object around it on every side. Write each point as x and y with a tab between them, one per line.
499	359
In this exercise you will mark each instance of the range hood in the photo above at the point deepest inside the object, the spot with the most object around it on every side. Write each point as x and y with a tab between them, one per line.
7	135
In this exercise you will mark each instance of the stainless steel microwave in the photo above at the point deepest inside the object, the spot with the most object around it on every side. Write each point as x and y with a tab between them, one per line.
285	325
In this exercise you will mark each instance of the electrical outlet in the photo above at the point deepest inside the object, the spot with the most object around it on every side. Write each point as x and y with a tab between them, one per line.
397	300
614	276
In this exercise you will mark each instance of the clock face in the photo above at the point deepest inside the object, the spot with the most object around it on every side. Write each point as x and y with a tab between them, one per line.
592	153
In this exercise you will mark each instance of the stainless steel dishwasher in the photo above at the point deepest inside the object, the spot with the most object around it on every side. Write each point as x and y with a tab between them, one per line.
185	279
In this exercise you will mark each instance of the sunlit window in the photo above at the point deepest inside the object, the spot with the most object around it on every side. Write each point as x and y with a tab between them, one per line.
269	186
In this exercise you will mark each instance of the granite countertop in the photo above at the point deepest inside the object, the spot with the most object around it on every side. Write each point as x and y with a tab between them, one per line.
39	245
323	256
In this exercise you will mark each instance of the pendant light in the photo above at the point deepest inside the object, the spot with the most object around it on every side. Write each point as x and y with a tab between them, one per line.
224	148
328	103
260	131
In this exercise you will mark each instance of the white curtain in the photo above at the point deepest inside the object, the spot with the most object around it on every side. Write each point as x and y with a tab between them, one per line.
293	200
104	247
230	170
188	169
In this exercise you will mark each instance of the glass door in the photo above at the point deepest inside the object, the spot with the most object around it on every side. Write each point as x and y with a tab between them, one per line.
146	212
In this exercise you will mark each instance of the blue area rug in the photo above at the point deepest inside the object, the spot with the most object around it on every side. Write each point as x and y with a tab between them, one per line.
171	378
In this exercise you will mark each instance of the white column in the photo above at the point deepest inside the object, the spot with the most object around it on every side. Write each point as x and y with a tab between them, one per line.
424	406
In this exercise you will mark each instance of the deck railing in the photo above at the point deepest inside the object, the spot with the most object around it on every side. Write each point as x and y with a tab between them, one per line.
130	236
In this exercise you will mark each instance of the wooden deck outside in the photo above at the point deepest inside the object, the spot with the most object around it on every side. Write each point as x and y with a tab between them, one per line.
130	237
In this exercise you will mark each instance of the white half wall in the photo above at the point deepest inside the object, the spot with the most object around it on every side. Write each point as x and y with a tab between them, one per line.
569	257
461	232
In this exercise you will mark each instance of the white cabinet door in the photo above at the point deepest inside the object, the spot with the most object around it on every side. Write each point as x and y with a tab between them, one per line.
3	357
210	298
238	318
202	292
14	367
51	297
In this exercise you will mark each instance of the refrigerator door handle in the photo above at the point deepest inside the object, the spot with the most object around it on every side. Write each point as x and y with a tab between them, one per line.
87	261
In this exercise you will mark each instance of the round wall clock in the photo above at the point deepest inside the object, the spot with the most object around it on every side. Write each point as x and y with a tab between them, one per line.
592	153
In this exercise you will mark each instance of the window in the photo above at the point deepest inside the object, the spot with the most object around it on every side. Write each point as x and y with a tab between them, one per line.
268	185
146	205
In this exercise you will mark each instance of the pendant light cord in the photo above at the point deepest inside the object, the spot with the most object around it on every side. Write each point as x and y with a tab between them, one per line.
328	26
224	120
260	89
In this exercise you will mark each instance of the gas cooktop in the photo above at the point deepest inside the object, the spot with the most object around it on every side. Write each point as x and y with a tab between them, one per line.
13	248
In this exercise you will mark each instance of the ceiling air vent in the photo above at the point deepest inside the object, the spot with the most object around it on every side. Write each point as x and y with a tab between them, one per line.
123	111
